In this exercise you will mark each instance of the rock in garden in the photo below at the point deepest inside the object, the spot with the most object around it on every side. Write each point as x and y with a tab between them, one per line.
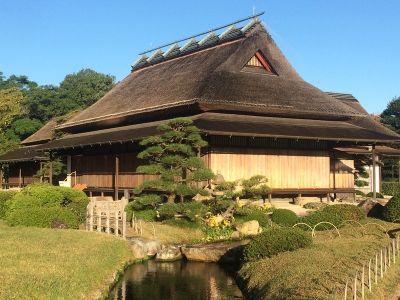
371	207
169	253
224	252
144	246
249	228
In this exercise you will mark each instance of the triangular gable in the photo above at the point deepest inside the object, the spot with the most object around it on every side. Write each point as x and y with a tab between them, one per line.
259	62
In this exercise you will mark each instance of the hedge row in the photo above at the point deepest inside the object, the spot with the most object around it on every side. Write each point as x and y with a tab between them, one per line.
276	240
390	188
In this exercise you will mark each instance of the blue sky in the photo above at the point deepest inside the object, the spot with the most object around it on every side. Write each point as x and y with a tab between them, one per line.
343	45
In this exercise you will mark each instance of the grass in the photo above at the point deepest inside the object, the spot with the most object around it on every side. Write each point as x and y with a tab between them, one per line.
170	233
316	272
37	263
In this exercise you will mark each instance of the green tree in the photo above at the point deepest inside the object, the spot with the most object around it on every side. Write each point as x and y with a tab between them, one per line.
10	106
391	115
84	88
22	128
173	155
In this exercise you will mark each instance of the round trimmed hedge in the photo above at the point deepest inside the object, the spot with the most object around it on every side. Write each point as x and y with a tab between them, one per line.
391	212
276	240
42	204
284	217
345	211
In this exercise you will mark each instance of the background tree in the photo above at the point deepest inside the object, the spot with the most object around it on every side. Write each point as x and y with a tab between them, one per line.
390	117
84	88
173	155
25	106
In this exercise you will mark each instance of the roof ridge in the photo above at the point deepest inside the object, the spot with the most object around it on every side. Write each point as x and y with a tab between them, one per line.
208	39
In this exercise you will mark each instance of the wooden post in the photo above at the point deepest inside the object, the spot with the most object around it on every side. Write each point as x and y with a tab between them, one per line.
355	288
381	263
389	258
384	260
369	275
116	222
376	268
116	178
108	221
373	171
1	176
362	282
98	220
51	168
20	177
91	217
394	251
345	289
124	224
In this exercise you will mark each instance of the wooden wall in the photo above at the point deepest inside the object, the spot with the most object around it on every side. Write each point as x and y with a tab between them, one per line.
98	171
284	168
28	170
341	175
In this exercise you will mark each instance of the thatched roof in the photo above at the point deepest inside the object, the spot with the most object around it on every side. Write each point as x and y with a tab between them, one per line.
23	153
223	124
213	79
44	134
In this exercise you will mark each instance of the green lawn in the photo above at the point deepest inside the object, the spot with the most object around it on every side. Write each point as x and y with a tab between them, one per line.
316	272
40	263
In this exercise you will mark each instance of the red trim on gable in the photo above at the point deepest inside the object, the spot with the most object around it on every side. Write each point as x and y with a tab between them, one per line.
264	62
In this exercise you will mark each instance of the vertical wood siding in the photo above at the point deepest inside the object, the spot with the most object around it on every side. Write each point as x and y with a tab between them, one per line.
283	168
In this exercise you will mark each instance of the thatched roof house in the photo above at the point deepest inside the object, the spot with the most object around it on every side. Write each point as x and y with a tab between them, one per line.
258	114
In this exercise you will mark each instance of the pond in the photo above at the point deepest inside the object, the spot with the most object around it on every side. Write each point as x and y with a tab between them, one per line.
176	280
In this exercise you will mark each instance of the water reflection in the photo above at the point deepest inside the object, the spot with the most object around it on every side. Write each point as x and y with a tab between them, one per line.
176	280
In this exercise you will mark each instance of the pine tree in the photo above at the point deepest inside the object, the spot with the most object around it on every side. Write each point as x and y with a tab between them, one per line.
173	155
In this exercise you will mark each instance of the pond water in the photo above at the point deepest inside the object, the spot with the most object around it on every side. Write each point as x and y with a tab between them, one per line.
176	280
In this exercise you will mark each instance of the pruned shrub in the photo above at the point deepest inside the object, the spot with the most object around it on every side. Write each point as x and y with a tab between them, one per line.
38	198
360	193
284	217
391	212
276	240
315	205
5	196
345	211
189	210
360	183
50	217
378	195
248	213
76	201
321	216
391	188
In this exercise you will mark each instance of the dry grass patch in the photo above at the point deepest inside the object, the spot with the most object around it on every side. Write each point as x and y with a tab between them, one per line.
38	263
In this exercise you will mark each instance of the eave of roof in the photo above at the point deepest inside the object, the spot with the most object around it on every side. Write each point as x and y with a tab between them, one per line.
24	153
233	125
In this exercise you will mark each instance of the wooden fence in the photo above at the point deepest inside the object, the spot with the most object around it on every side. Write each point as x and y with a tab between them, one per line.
371	273
105	215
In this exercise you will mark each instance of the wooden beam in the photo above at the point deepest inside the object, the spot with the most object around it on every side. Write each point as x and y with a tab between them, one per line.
373	171
1	176
116	178
20	177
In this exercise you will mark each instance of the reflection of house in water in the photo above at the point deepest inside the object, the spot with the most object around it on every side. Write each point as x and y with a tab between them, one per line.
256	112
